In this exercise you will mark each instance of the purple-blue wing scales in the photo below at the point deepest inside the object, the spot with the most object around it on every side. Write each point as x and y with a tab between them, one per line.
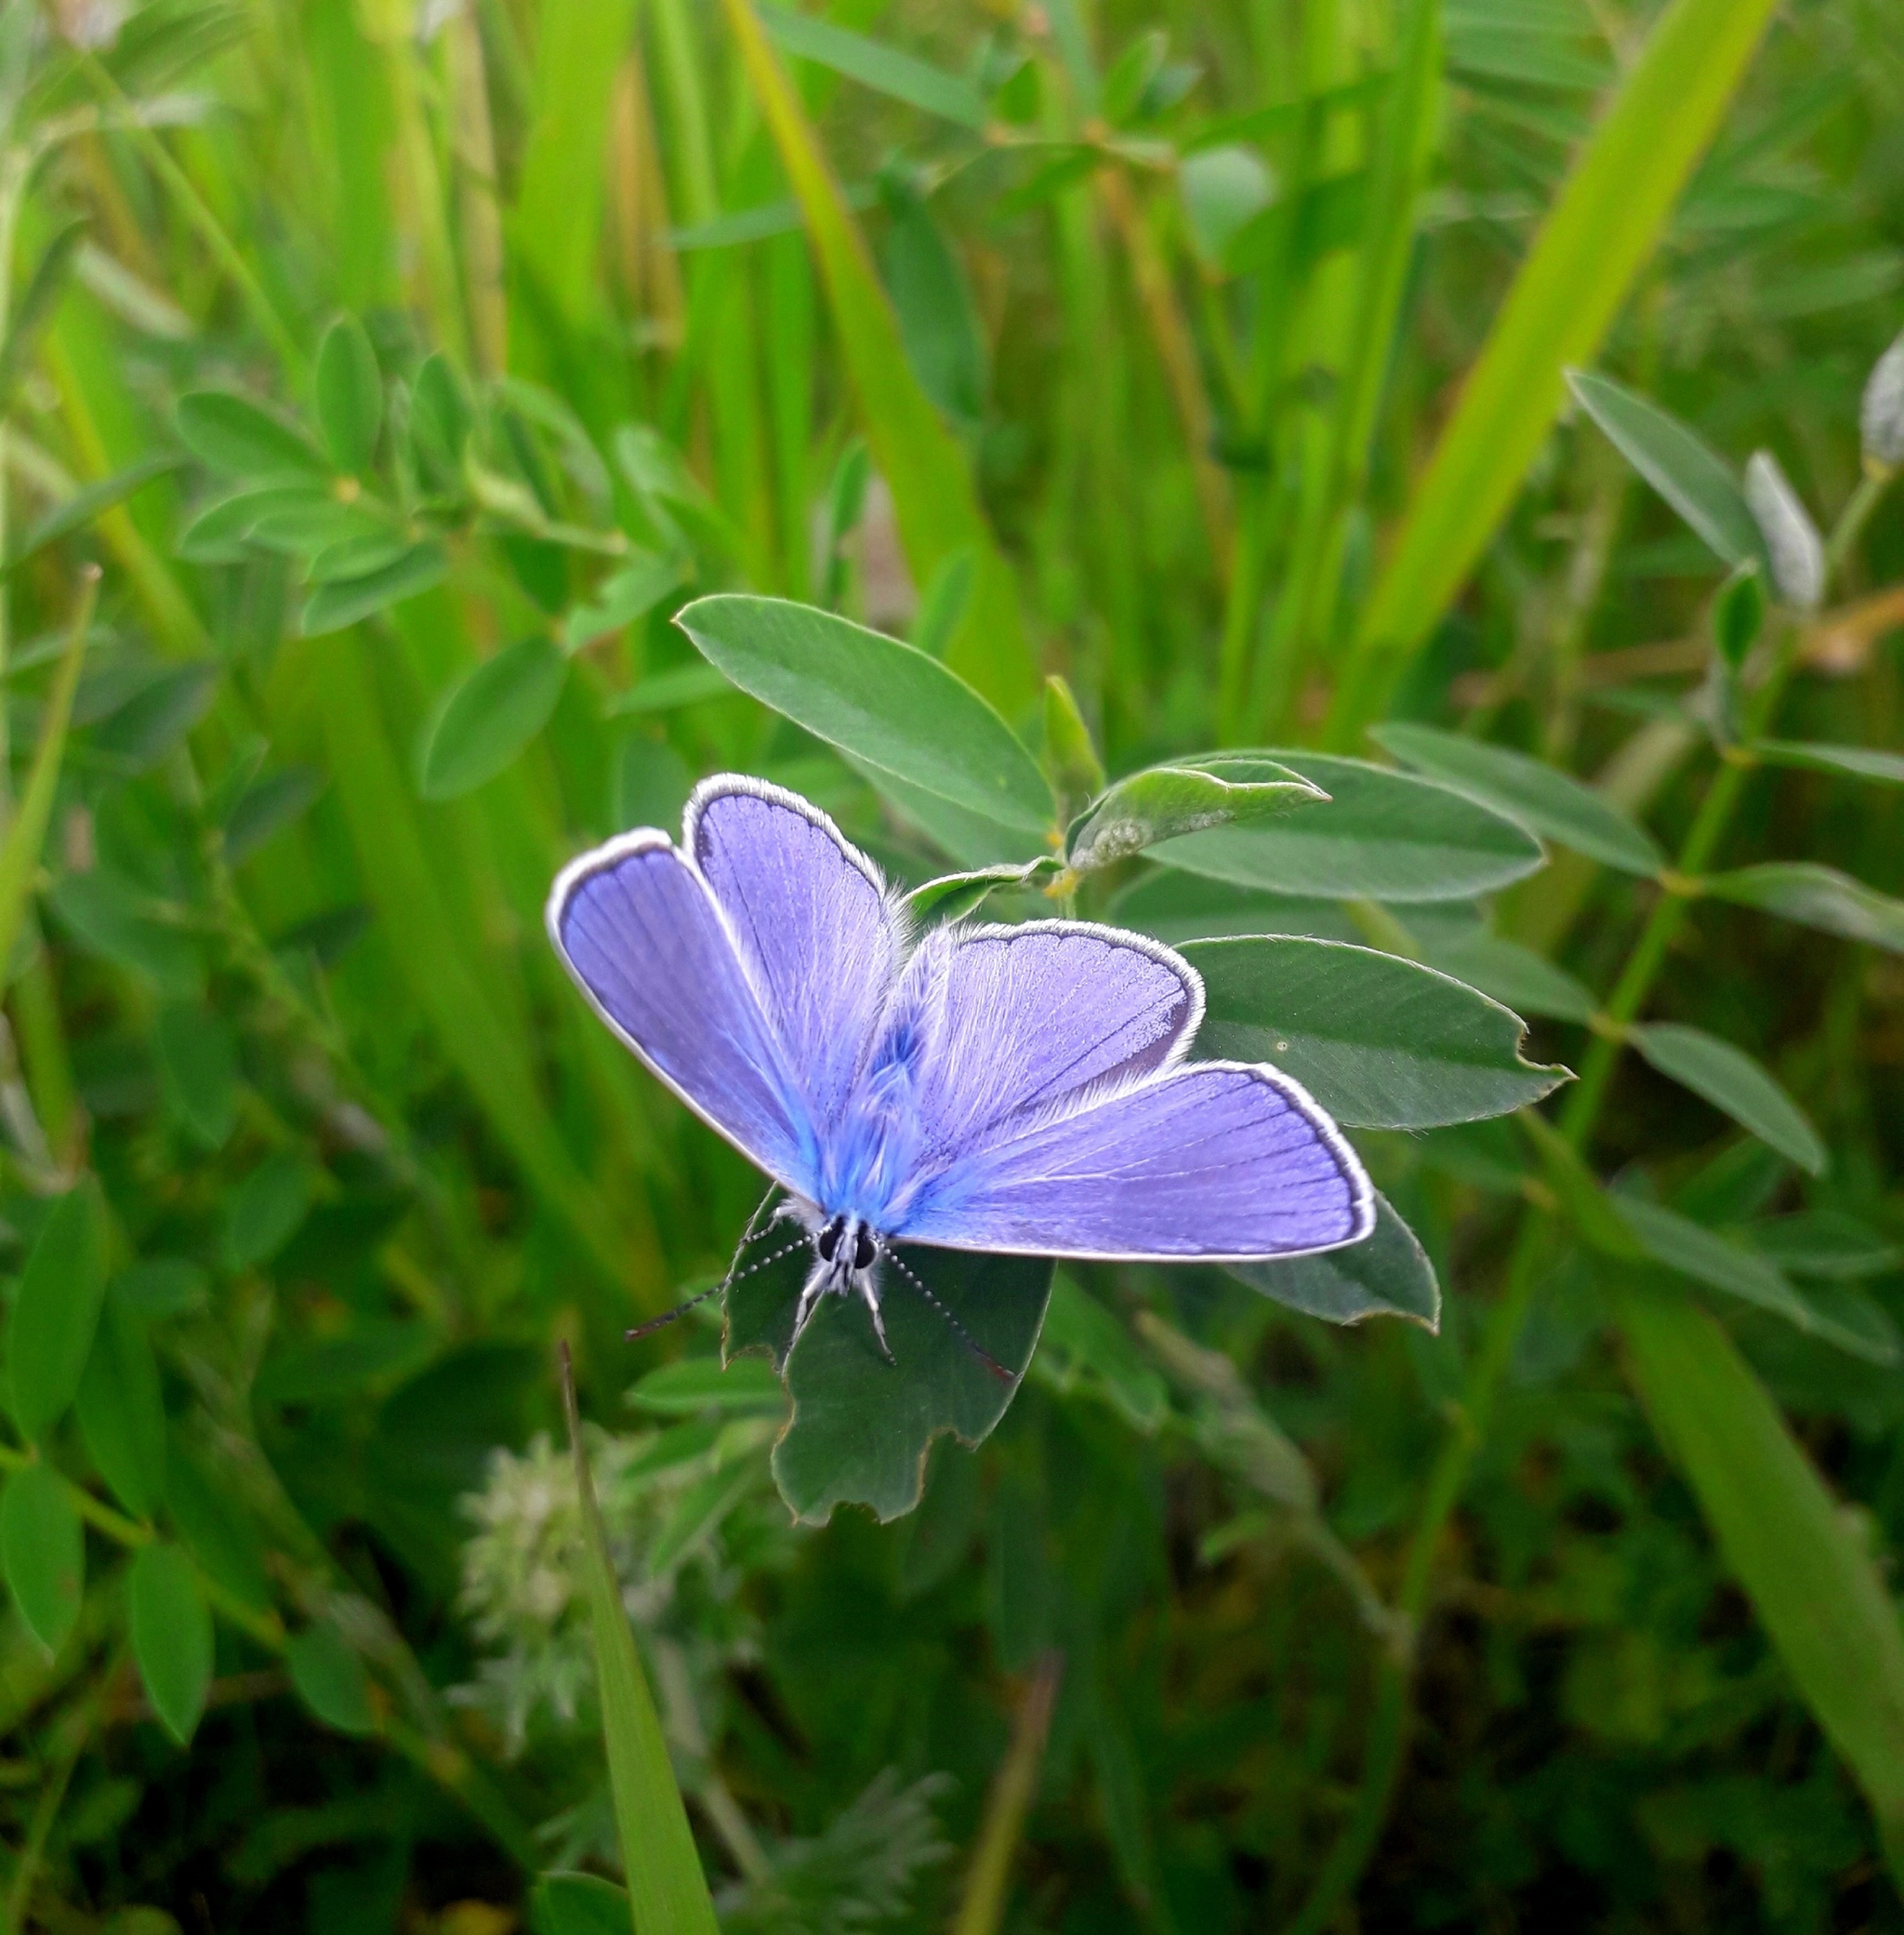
639	931
810	919
1219	1160
1011	1023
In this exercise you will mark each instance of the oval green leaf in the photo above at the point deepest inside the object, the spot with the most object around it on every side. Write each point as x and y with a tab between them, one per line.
1165	802
1382	836
198	1063
1845	761
171	1637
122	1412
1693	478
861	1428
485	719
235	435
1387	1274
1540	796
346	601
890	706
43	1552
350	395
1380	1042
328	1673
266	1209
1736	1085
1816	896
50	1333
1513	974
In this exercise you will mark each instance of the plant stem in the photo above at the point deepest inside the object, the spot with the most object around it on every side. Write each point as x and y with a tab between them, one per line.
1389	1726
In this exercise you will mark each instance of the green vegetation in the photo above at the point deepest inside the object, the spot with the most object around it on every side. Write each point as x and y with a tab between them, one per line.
1393	499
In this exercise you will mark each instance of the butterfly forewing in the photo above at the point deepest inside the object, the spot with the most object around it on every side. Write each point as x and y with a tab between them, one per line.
639	932
810	922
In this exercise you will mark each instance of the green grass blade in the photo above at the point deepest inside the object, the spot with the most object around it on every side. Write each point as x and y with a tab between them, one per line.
1783	1537
1606	223
667	1891
883	68
20	853
928	474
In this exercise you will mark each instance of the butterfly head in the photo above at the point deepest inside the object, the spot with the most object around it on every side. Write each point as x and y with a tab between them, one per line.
846	1247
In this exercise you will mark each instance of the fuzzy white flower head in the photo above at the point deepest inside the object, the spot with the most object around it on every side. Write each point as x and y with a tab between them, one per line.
1881	419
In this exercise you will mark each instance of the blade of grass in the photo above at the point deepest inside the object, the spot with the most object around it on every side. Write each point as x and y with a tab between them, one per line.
1598	235
1784	1538
20	853
928	474
555	228
667	1892
982	1910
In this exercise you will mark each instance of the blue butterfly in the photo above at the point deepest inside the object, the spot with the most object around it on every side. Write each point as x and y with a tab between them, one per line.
1017	1090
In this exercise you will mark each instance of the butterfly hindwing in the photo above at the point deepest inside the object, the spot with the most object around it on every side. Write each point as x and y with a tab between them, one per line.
1213	1159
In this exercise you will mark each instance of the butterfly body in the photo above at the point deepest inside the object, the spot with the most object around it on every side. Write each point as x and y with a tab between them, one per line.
1016	1090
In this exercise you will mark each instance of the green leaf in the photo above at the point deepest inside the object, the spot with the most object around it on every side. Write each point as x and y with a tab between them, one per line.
221	531
943	604
198	1062
350	396
1784	1537
884	70
239	438
1512	974
954	895
566	1904
171	1630
1847	762
1695	1251
328	1673
938	320
1698	483
43	1552
1598	235
363	553
440	420
215	1528
109	919
1384	836
74	513
668	691
1739	615
1816	896
622	598
122	1412
268	805
1071	761
1379	1041
151	724
1223	190
1736	1085
264	1210
483	723
162	1286
1826	1243
346	601
1540	796
1387	1274
861	1428
888	705
1164	802
34	305
691	1385
49	1335
667	1891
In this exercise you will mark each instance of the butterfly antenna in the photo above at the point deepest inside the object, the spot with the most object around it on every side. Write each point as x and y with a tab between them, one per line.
958	1329
752	1233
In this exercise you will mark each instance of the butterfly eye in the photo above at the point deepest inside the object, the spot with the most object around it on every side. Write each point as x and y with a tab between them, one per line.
827	1242
863	1250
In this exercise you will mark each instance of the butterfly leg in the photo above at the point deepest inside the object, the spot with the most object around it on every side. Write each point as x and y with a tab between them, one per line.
819	1281
862	1280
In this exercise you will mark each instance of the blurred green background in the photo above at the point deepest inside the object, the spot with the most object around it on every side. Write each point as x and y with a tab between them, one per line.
1207	356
